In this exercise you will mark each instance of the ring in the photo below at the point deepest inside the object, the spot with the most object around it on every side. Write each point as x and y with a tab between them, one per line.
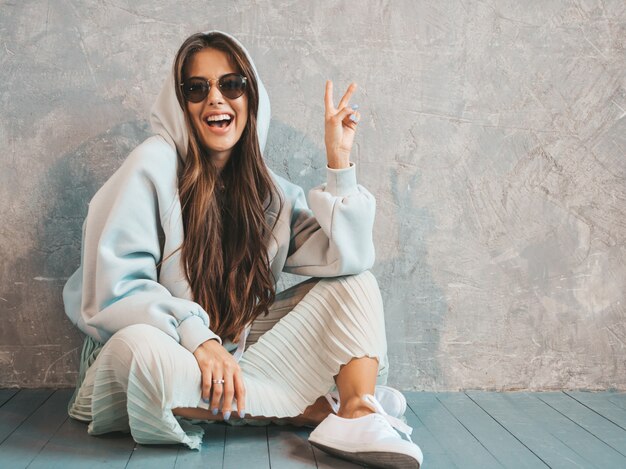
218	381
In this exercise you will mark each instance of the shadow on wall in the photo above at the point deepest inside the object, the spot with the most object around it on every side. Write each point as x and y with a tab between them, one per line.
41	346
294	156
76	177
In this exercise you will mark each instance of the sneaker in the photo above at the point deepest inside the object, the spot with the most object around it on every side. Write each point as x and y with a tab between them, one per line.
392	400
377	439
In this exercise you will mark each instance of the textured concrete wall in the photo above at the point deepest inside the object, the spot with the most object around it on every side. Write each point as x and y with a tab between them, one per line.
493	137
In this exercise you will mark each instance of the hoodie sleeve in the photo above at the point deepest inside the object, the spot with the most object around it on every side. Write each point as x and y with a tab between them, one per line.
334	236
117	283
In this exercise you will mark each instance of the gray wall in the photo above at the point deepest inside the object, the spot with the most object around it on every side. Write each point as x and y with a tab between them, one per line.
493	137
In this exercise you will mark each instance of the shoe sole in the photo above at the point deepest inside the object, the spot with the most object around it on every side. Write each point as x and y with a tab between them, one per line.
373	458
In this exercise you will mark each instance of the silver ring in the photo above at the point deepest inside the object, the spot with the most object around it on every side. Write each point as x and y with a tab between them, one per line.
218	381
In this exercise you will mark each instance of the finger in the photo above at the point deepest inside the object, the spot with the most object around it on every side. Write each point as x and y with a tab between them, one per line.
227	403
240	393
346	97
345	113
218	390
352	119
328	98
206	386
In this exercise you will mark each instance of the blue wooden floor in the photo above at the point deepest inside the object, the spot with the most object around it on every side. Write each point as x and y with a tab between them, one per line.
465	430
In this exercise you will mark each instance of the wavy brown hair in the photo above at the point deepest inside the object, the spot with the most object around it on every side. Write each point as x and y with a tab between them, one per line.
225	248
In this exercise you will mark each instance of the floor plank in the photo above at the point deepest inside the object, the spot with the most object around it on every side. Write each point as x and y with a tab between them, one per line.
511	413
507	449
72	447
19	408
211	454
153	457
616	398
6	394
599	403
462	447
23	445
245	444
594	423
472	429
434	454
594	450
289	447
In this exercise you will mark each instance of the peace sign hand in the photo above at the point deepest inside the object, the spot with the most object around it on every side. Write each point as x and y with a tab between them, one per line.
340	127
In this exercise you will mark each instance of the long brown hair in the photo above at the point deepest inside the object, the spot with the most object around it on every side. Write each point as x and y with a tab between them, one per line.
224	251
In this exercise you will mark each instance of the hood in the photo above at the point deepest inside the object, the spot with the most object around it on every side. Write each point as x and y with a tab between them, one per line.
167	118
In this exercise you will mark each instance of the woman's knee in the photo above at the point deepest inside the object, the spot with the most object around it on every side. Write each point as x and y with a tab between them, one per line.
137	332
137	343
152	357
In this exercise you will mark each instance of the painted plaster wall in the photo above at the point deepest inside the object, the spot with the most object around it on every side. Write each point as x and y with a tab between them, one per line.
493	136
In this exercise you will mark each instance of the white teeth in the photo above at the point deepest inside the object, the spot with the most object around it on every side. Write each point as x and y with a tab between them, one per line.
218	117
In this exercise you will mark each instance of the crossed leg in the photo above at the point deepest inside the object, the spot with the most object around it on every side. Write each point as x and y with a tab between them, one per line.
355	378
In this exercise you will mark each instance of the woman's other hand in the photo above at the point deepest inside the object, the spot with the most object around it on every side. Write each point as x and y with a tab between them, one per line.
340	127
216	364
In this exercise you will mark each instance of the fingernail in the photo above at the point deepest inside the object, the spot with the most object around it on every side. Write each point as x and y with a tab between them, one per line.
227	415
355	106
205	400
214	411
353	118
241	413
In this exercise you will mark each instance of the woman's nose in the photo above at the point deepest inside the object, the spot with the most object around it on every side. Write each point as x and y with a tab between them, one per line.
215	95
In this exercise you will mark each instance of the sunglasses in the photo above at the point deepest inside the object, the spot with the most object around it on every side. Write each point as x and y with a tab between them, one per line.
231	85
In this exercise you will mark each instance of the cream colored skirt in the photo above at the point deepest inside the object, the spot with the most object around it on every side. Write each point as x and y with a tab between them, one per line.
132	382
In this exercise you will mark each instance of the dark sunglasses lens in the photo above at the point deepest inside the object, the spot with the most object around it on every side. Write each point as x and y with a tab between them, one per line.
232	86
195	90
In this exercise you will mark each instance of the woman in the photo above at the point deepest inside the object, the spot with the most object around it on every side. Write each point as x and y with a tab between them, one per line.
182	249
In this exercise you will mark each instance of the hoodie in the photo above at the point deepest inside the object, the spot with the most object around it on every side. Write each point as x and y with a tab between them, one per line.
134	221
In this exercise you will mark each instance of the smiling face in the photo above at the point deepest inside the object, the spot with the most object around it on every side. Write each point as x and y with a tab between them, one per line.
218	138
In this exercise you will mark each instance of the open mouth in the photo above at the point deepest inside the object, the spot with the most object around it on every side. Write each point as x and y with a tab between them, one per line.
220	121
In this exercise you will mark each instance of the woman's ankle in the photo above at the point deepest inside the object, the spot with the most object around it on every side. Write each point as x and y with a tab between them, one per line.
354	407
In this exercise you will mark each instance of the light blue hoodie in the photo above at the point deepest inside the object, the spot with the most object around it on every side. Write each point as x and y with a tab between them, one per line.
134	221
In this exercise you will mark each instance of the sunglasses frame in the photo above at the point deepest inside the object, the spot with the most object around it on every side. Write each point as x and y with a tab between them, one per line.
219	85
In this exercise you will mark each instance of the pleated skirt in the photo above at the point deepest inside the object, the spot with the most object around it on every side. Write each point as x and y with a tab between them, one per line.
133	381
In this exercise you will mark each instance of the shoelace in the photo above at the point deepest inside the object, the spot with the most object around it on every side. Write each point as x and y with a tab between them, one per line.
333	404
404	429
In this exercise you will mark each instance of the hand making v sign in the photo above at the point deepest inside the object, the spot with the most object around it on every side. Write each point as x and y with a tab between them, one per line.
340	127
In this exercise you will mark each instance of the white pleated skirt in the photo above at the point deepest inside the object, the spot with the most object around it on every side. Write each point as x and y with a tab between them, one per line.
133	381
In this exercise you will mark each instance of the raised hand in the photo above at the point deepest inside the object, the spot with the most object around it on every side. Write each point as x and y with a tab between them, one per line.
340	127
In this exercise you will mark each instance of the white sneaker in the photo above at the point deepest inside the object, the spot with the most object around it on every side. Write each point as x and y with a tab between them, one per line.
392	400
377	439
